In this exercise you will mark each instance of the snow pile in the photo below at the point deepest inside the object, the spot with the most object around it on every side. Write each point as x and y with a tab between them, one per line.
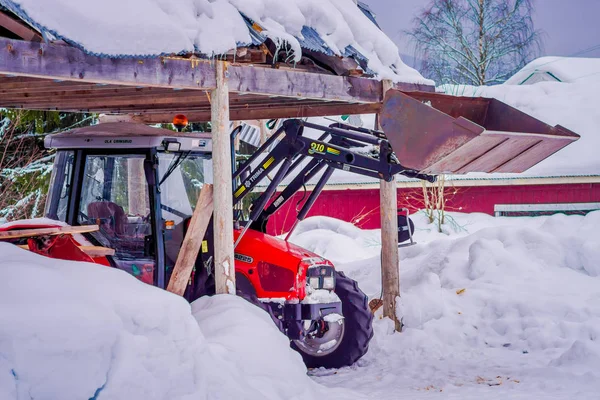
153	27
494	307
336	240
565	69
82	331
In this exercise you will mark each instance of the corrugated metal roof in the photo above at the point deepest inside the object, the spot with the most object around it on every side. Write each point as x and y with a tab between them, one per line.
311	40
368	12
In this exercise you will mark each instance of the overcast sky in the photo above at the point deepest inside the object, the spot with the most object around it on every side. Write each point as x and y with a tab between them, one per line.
570	26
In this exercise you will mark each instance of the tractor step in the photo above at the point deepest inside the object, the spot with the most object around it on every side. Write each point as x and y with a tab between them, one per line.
436	133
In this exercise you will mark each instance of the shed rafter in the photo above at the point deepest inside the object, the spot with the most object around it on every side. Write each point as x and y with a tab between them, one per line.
46	76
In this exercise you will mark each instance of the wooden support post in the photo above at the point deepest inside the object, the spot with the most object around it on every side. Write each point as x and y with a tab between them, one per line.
262	123
390	279
186	259
223	196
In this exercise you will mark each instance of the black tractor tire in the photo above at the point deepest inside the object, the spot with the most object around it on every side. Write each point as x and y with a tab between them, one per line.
358	328
252	299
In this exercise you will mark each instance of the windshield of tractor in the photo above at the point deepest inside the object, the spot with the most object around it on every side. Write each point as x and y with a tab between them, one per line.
182	176
114	195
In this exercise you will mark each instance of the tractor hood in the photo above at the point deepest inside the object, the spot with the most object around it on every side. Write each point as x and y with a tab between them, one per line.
278	250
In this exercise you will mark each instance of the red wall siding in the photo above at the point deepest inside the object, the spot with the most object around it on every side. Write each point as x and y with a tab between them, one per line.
362	206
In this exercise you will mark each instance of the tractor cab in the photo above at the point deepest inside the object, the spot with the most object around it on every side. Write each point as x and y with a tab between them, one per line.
137	183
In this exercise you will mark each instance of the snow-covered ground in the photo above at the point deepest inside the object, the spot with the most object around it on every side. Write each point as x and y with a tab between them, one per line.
493	308
82	331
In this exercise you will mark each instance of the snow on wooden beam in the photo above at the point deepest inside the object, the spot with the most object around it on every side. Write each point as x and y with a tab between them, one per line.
59	63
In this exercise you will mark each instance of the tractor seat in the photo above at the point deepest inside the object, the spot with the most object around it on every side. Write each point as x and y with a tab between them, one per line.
110	217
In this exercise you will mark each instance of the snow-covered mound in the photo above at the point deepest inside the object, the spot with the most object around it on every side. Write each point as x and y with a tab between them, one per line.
336	240
154	27
81	331
563	69
492	307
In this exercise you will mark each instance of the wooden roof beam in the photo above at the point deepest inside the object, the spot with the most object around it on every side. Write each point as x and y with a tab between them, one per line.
259	113
20	29
63	63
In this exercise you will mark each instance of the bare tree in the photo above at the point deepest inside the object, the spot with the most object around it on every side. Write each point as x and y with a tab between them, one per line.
475	42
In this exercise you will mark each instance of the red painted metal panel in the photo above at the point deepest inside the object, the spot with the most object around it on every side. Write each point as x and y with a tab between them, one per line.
361	207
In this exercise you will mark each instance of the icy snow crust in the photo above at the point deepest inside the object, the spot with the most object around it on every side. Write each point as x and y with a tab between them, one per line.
81	331
526	325
154	27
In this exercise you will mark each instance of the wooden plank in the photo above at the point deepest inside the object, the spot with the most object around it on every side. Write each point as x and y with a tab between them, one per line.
51	61
138	99
292	83
186	259
97	251
92	251
35	85
22	233
85	91
237	114
390	274
18	28
223	196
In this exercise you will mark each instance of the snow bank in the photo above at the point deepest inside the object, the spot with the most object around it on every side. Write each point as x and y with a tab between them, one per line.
336	240
153	27
82	331
494	307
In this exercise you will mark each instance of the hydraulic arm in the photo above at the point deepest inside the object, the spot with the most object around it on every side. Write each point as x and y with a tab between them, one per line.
357	150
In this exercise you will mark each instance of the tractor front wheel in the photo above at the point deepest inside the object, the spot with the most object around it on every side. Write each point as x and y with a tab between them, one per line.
337	344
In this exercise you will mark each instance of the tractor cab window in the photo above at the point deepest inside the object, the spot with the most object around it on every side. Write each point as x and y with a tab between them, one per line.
181	176
60	182
114	195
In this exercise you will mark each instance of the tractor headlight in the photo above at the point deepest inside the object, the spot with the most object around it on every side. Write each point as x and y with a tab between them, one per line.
314	282
320	277
329	282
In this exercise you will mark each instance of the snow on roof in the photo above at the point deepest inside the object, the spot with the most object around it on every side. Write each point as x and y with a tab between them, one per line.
212	27
560	69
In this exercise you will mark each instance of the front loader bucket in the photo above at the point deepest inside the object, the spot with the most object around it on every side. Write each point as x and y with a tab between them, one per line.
436	133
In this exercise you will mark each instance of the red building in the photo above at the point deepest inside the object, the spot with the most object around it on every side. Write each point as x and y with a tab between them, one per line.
359	203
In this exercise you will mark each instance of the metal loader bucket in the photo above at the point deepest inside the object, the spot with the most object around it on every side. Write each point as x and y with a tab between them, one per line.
435	133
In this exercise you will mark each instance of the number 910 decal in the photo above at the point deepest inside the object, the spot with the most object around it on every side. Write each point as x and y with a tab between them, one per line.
320	148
